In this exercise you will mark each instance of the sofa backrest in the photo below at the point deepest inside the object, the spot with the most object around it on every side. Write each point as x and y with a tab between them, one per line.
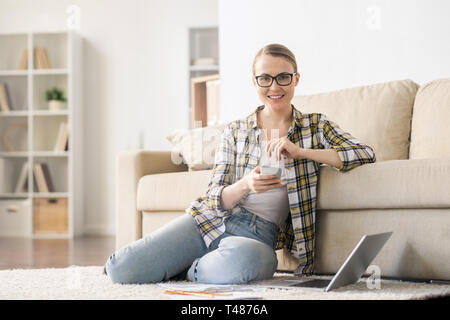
378	115
430	126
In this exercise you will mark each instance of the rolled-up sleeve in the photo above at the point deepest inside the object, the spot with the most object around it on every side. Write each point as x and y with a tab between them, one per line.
352	152
223	173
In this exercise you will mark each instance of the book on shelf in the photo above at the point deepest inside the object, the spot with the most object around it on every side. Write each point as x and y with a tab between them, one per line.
47	177
5	103
26	184
40	178
22	185
41	58
43	178
24	62
62	138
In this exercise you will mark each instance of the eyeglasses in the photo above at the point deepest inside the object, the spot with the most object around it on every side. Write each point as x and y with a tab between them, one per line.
283	79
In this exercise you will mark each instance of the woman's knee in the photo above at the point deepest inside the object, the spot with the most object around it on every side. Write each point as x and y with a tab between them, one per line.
119	270
250	252
112	268
159	255
125	267
237	260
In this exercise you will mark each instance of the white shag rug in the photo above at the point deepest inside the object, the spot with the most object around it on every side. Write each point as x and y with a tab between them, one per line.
89	283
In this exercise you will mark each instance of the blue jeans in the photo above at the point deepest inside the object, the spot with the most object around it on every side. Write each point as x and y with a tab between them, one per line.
245	252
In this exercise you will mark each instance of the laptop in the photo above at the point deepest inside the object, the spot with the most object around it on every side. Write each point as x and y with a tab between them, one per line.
353	268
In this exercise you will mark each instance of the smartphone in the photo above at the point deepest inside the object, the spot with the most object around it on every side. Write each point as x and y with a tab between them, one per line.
276	171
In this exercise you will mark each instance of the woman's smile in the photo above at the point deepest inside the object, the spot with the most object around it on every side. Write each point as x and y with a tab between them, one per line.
276	97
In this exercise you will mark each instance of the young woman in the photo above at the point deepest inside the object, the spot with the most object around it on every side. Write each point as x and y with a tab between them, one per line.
229	236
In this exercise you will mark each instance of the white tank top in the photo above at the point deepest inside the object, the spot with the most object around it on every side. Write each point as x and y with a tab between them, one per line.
273	204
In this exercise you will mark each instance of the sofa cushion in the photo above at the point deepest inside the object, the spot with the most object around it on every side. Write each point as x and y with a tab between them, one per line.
378	115
388	184
197	146
171	191
430	129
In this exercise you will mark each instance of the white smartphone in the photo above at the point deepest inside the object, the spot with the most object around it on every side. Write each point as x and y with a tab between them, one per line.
276	171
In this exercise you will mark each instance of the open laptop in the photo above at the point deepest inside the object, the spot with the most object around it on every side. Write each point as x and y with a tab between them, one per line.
353	268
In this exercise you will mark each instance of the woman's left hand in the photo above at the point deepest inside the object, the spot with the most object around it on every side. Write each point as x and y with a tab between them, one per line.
283	146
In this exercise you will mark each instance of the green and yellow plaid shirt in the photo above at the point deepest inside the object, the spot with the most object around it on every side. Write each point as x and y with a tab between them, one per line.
238	153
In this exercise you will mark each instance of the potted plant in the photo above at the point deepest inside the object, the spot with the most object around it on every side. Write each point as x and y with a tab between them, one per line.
55	99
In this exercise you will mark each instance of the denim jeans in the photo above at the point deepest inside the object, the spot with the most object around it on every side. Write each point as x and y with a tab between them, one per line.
245	252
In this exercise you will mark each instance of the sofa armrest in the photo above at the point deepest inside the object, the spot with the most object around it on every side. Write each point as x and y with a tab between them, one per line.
130	167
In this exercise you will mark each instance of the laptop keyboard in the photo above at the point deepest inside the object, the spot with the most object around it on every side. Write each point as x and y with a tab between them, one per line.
317	283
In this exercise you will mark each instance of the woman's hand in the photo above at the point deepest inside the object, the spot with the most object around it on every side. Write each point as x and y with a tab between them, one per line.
258	182
283	146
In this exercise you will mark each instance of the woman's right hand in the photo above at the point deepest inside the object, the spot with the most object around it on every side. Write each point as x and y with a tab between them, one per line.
258	182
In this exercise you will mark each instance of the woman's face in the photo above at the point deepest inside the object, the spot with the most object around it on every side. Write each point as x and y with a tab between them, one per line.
270	96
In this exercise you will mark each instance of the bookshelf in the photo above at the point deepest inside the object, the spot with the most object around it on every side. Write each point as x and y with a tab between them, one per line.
203	67
29	132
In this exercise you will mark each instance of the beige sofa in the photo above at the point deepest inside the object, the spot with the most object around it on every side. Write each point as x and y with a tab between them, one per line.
406	191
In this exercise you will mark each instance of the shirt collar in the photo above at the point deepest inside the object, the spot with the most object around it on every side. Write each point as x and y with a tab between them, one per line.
252	122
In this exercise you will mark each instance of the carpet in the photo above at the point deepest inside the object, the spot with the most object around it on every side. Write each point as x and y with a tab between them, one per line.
88	283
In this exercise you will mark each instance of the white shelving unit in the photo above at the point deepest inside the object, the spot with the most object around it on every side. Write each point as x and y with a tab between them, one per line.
35	142
203	43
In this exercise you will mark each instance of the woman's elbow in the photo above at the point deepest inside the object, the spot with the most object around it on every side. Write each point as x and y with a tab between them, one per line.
372	157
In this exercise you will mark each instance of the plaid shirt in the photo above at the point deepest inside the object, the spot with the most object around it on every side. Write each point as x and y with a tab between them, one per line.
238	154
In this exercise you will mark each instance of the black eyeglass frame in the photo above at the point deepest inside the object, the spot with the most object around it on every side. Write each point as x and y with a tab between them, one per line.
271	82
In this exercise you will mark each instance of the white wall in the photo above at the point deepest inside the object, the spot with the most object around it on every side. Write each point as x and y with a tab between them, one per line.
135	79
337	43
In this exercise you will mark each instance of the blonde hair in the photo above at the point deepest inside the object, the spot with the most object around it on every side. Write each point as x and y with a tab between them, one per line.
276	50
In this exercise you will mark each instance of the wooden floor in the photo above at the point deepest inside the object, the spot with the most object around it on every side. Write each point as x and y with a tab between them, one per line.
55	253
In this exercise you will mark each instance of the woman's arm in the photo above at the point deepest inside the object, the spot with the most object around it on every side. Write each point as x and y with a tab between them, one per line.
223	172
233	193
350	150
326	156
